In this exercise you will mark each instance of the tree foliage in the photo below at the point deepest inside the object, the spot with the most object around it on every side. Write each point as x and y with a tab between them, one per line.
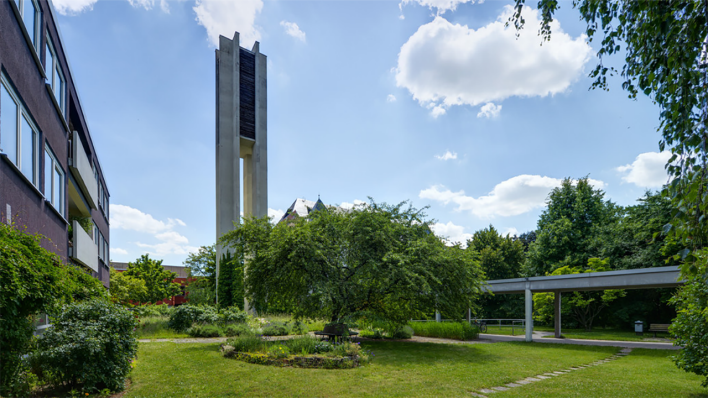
202	272
377	260
32	280
231	280
567	228
125	288
158	280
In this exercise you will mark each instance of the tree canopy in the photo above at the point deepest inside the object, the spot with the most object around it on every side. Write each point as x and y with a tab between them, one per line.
202	267
378	260
158	280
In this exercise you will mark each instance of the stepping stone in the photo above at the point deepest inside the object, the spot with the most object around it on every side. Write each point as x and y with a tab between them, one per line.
627	350
559	373
542	377
486	391
550	374
522	382
532	379
474	394
513	385
500	388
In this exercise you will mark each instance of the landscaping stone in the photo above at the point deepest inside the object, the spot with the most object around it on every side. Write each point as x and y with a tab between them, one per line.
486	391
500	388
532	379
522	382
513	385
542	377
474	394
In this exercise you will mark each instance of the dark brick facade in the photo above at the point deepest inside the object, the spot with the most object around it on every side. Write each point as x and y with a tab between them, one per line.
29	210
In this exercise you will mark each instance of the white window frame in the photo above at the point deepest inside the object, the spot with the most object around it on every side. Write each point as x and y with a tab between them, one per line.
34	36
54	185
22	113
56	67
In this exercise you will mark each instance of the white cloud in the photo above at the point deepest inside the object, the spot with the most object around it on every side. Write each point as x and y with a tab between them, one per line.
226	17
170	241
451	233
647	170
489	110
275	214
444	64
512	197
438	111
293	30
510	231
440	5
391	98
117	250
447	156
149	4
73	7
347	205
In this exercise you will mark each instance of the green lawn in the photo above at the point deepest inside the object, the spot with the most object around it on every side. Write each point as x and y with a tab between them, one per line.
505	330
643	373
605	334
399	369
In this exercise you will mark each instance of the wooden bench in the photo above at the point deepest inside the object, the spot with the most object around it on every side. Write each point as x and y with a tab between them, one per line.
335	331
659	327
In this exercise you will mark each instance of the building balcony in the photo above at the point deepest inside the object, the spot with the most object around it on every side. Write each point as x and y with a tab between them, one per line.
82	248
81	169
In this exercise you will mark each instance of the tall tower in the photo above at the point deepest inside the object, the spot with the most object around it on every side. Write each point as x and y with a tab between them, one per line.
241	133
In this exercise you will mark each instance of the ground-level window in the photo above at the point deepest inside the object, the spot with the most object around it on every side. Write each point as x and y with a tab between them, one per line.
53	180
19	136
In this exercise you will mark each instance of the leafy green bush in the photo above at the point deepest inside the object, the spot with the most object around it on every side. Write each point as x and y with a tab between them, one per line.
153	310
299	328
184	316
346	349
276	329
237	330
232	315
278	351
205	331
92	343
246	343
406	332
304	345
32	280
446	330
372	334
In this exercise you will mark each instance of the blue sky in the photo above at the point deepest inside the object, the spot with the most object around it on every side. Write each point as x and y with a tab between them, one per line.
431	101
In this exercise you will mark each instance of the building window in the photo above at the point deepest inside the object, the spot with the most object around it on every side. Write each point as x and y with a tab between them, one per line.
30	17
19	137
53	180
95	233
55	76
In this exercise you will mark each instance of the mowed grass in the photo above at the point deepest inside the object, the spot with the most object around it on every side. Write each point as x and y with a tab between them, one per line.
605	334
643	373
398	369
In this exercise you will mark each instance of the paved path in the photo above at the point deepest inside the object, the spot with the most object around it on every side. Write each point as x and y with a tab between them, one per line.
553	340
483	392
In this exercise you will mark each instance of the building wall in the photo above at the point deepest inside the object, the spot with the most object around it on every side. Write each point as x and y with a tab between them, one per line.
26	202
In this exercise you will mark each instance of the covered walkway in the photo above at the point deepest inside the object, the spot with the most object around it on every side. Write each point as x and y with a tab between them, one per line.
644	278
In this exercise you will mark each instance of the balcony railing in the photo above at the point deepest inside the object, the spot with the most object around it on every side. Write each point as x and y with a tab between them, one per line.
83	172
83	249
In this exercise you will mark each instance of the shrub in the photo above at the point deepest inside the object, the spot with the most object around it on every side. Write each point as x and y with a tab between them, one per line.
184	316
406	332
153	310
32	280
205	331
233	315
237	330
323	347
276	329
346	349
299	328
246	343
208	316
447	330
93	343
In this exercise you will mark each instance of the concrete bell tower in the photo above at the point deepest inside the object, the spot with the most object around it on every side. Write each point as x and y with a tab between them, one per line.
241	133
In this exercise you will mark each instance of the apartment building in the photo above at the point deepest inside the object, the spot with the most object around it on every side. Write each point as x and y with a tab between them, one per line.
51	181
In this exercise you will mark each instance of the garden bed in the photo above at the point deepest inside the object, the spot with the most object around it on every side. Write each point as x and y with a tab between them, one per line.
311	361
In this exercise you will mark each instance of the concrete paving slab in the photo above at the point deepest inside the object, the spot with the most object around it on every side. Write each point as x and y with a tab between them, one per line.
500	388
513	385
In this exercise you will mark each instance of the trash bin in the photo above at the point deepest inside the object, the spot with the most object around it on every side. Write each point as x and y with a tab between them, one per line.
639	328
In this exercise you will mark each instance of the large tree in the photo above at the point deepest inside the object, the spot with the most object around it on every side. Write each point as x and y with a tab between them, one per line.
377	260
501	257
567	228
158	280
126	289
664	47
202	273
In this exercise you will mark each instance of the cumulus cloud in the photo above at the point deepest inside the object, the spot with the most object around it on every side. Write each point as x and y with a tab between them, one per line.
170	241
73	7
444	64
517	195
510	231
489	110
391	98
440	5
451	233
275	214
447	156
226	17
357	202
647	170
293	30
117	250
437	111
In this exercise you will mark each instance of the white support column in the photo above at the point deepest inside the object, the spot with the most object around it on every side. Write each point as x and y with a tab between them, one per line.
437	316
529	315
